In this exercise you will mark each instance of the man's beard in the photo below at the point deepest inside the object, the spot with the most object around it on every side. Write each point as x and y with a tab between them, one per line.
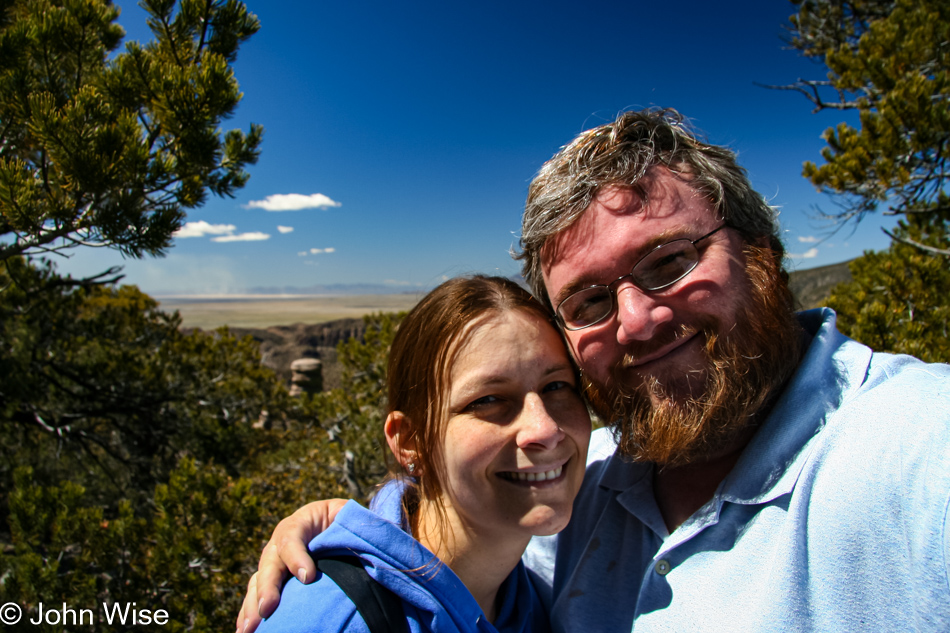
677	423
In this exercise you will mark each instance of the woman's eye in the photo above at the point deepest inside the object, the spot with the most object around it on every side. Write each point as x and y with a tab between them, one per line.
482	402
557	385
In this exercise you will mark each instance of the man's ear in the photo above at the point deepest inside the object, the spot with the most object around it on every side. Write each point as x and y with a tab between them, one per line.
399	436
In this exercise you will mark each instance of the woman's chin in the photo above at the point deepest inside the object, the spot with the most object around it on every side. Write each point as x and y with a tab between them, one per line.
546	520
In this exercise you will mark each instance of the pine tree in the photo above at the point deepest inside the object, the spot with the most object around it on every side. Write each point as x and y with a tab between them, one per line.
899	299
120	435
888	60
111	151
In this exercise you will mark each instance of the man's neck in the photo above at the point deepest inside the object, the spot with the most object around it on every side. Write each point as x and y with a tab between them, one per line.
682	490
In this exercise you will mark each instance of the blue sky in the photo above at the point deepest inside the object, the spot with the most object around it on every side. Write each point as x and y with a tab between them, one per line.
410	131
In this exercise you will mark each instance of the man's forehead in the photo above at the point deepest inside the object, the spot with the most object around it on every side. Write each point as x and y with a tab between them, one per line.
613	199
658	195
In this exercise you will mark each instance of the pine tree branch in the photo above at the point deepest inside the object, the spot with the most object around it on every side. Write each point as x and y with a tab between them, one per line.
810	89
22	246
915	244
204	29
3	138
917	210
82	437
79	69
172	44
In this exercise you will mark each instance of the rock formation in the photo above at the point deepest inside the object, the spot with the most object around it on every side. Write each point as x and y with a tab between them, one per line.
306	376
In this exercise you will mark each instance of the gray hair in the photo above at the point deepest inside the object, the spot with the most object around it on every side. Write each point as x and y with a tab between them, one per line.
621	153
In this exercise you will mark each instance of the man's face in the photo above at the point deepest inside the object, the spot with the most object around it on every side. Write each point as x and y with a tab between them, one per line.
685	370
650	334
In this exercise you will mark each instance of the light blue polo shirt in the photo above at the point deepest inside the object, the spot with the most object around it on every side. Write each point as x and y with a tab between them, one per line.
834	518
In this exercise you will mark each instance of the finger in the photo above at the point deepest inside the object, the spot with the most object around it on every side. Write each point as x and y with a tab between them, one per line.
272	574
292	535
249	618
333	506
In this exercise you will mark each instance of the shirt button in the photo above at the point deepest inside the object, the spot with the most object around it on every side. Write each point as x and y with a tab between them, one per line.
662	567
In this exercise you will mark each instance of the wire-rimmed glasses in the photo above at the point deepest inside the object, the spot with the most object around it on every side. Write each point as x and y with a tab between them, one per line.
660	268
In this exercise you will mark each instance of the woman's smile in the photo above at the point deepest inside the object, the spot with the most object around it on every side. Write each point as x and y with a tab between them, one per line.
533	476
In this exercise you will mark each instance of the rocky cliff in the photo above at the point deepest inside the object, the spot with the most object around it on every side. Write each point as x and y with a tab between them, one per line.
283	344
811	287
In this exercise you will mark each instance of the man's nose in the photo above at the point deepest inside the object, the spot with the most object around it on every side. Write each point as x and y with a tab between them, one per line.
639	315
536	427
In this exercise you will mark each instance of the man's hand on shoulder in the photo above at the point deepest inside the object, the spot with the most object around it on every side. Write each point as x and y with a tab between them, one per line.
286	550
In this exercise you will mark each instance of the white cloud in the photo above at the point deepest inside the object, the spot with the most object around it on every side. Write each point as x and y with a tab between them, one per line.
317	251
808	239
256	236
809	254
303	253
293	202
285	229
202	228
396	282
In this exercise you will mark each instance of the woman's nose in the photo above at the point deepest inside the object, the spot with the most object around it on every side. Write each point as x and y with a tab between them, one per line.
536	427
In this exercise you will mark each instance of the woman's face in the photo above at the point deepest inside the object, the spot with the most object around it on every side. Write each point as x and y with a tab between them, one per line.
517	430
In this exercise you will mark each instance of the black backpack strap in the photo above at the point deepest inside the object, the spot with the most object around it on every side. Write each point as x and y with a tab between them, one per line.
380	608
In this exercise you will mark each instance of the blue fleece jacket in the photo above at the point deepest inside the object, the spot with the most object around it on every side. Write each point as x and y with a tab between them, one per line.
433	597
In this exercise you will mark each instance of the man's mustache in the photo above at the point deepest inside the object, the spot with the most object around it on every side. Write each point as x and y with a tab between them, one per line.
641	349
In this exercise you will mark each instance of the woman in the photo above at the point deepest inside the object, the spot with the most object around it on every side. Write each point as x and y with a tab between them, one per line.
489	436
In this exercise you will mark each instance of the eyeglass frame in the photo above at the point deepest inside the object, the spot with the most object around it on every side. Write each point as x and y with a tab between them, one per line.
610	286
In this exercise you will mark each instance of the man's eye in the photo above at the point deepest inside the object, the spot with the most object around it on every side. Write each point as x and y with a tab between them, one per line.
670	260
665	265
589	307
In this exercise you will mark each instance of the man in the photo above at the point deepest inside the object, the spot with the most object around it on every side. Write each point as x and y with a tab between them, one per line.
765	472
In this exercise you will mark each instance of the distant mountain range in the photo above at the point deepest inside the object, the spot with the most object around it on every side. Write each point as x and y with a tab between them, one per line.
339	289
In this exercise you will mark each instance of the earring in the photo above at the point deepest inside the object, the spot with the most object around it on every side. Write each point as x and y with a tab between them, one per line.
411	467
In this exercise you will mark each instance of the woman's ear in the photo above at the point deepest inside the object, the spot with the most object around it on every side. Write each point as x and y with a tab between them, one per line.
401	440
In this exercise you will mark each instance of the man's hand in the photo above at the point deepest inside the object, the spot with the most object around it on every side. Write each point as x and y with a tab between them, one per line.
286	550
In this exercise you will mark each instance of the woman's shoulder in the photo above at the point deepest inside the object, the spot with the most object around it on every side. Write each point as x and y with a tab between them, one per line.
368	535
320	607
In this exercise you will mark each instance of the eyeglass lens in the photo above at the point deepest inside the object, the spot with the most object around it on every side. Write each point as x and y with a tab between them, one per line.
660	268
